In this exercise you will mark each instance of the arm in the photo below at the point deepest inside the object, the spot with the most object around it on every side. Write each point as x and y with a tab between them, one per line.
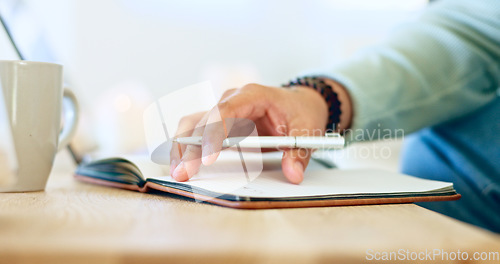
443	67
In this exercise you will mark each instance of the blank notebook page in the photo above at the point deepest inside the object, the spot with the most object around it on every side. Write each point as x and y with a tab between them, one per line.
272	183
316	182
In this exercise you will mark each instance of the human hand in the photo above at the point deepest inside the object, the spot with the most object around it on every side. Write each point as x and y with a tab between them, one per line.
296	111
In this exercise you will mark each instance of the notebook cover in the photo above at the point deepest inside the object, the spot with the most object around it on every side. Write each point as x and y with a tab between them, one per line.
270	204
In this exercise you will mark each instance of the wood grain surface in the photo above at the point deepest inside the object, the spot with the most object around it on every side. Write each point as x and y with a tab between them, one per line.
75	222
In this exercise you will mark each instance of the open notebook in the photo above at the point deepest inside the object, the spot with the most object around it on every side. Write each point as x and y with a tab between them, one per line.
269	189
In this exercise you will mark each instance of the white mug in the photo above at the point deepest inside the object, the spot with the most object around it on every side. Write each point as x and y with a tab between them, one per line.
33	93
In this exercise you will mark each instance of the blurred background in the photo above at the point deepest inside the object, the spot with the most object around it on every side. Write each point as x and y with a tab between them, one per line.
120	55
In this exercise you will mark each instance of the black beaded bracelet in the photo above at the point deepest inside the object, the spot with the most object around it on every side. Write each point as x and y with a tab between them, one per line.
331	98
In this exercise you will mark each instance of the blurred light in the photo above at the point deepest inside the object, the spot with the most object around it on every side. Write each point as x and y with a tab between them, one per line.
225	76
118	114
122	103
194	11
378	5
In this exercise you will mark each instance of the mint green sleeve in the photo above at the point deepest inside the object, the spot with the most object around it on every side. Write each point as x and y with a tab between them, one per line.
443	66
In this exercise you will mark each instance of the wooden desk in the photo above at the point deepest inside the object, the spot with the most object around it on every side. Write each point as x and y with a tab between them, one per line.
73	222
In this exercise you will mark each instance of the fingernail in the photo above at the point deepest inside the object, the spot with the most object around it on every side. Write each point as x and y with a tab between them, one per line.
173	165
299	167
209	155
297	173
207	150
180	172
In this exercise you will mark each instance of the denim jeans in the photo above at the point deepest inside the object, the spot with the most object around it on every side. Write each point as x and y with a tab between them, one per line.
466	152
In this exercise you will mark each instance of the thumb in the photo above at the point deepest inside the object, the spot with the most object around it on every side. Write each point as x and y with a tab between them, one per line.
294	162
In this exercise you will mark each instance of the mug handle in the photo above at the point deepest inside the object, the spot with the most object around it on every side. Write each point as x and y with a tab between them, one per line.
70	115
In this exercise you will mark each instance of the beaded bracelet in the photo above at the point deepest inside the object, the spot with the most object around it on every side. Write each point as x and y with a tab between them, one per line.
331	98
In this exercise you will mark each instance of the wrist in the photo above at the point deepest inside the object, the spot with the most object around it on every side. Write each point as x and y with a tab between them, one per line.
346	113
335	95
317	106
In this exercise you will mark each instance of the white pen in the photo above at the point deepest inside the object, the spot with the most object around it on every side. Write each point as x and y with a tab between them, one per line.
334	141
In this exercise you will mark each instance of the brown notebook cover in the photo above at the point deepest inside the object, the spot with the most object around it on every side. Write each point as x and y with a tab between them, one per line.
327	187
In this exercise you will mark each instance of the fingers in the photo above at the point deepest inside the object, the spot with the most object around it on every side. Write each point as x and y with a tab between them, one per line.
216	130
189	165
175	156
228	93
184	129
295	161
191	157
250	102
213	136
